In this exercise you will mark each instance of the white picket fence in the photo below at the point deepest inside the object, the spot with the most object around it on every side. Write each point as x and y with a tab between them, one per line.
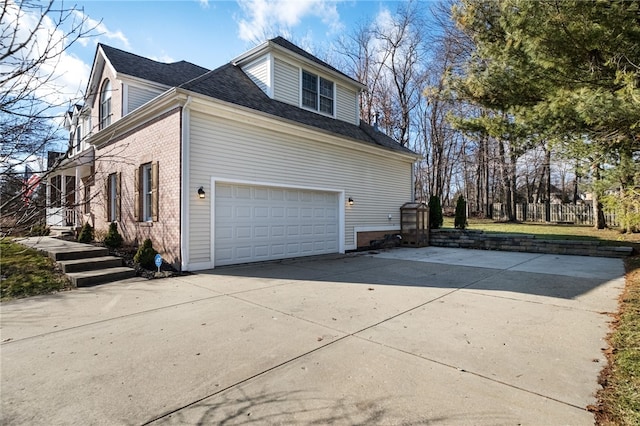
579	214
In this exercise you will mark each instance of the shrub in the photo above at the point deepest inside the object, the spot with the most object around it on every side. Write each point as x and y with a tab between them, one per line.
86	234
460	222
146	254
435	212
113	238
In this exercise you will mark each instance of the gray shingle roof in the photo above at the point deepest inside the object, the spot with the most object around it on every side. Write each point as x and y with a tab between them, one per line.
230	84
172	74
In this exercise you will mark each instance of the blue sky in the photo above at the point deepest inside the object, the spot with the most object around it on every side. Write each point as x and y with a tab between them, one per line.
211	33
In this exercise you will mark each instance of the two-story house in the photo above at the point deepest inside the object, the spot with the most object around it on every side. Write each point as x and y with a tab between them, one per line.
263	158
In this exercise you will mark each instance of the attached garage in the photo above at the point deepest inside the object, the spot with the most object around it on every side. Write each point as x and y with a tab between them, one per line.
254	223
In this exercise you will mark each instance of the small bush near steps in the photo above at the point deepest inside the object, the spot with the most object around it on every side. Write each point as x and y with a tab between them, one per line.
86	234
146	254
113	239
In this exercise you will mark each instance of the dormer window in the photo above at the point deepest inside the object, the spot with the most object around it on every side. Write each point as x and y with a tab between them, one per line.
105	105
317	93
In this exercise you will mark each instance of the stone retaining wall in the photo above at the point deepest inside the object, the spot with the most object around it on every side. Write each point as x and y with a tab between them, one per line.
523	243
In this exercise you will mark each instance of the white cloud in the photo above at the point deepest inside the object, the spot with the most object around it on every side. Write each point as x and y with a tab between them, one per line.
267	18
60	77
163	58
204	4
99	30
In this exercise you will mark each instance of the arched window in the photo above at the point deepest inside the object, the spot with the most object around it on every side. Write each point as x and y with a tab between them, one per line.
105	105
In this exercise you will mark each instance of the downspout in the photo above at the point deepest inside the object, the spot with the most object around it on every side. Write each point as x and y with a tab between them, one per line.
413	181
184	190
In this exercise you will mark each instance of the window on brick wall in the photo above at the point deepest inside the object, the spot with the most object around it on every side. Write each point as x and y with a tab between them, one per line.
112	191
146	198
87	199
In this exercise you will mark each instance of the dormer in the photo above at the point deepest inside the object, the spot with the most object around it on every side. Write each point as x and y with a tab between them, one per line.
120	82
77	122
286	73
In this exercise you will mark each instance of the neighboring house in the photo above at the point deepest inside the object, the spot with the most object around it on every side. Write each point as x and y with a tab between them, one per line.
263	158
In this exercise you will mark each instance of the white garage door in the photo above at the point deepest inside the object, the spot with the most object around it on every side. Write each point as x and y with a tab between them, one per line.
255	223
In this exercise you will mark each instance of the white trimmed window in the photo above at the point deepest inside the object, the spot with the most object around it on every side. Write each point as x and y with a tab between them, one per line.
317	93
105	105
112	189
147	193
78	139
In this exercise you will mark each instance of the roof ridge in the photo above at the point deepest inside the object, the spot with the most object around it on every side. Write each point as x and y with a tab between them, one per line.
182	61
289	45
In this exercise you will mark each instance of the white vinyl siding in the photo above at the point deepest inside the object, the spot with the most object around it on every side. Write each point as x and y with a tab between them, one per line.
258	72
138	96
238	151
346	105
286	83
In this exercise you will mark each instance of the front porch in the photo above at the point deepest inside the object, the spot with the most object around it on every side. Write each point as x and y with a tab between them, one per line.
69	194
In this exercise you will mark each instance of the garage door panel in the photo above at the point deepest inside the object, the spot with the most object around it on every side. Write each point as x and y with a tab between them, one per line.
244	253
243	192
261	193
258	223
225	233
261	212
261	252
261	231
277	231
243	232
277	250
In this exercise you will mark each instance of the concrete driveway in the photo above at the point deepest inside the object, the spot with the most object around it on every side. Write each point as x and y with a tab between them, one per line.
407	336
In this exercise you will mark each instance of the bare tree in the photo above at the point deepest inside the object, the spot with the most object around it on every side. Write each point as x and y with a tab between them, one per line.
34	37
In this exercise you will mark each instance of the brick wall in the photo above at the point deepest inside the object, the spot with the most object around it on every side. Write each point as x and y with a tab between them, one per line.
157	140
521	243
365	238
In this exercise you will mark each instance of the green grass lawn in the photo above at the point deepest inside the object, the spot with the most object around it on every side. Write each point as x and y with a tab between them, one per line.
619	400
25	272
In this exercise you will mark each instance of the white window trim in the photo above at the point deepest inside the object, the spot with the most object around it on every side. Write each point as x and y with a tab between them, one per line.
113	197
318	77
105	100
147	193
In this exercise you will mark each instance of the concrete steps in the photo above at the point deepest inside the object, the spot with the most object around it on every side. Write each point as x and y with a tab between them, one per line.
84	264
90	264
100	276
75	253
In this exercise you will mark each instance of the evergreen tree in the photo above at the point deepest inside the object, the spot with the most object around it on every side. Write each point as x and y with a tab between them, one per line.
435	212
146	254
86	234
460	221
113	238
577	87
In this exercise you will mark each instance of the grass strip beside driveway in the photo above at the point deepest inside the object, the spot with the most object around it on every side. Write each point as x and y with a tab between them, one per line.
620	397
26	272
